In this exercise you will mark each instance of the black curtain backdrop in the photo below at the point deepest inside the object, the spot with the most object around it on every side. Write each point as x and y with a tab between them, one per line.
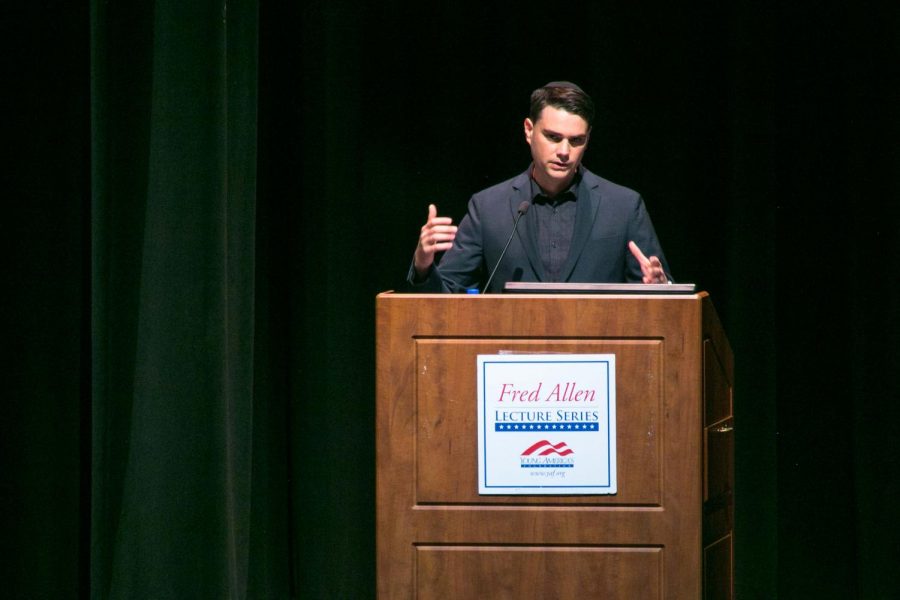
173	181
203	199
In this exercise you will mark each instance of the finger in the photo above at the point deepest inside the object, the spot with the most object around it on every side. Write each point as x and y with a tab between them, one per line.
438	221
655	271
638	254
433	219
430	234
436	228
656	268
430	239
445	237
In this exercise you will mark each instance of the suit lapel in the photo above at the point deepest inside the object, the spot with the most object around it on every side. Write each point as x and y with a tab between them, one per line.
528	225
586	209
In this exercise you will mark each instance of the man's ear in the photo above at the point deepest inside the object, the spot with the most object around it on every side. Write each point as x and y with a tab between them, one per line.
529	130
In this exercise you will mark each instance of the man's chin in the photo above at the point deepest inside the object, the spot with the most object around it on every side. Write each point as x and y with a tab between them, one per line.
559	173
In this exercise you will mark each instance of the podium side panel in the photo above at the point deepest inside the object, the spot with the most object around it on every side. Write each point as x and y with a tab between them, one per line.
718	463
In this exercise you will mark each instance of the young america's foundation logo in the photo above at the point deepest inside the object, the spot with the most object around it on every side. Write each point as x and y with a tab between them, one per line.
543	454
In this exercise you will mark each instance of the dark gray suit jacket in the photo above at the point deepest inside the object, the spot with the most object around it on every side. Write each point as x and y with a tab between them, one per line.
607	217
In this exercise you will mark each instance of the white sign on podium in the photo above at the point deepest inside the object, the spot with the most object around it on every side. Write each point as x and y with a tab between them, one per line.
546	424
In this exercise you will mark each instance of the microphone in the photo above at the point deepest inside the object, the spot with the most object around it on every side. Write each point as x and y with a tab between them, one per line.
523	208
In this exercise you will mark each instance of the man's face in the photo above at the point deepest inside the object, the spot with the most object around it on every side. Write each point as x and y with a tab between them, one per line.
558	140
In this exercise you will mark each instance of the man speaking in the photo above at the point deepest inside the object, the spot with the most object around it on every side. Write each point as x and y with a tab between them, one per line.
557	221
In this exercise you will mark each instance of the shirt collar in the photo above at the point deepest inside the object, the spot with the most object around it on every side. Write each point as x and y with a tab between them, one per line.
570	193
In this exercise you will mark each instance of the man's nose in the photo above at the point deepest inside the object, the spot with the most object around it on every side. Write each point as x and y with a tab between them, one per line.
563	148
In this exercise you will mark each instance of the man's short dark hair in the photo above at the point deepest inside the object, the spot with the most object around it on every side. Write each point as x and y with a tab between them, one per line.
563	95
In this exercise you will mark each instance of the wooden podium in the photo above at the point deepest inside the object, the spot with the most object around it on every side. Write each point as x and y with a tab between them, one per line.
666	534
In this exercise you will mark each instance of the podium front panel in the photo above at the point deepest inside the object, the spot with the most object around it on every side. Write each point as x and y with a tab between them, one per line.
446	435
444	572
438	538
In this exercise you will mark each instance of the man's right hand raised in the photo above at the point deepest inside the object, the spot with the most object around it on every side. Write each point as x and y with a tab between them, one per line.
437	235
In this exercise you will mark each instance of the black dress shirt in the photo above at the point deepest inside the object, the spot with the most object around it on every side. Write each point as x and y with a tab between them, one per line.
555	226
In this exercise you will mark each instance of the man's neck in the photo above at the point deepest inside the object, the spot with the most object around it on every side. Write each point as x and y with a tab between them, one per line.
552	188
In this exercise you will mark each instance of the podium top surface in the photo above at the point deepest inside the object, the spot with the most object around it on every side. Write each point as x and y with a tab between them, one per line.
553	294
528	287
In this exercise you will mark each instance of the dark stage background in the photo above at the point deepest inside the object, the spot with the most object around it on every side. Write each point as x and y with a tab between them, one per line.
202	203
